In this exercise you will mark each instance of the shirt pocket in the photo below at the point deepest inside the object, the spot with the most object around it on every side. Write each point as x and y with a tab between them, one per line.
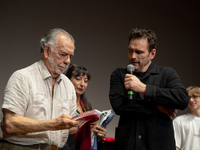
64	105
39	106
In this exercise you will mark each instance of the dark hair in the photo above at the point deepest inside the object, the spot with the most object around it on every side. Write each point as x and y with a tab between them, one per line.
144	33
76	71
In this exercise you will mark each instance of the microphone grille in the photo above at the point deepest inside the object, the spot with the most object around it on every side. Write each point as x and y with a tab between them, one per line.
130	68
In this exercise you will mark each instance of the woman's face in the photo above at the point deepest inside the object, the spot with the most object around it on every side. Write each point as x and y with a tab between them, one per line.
80	84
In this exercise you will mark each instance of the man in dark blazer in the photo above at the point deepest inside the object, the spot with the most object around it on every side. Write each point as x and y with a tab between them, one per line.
145	121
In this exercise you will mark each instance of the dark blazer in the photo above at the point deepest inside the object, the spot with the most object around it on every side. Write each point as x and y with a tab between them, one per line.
142	126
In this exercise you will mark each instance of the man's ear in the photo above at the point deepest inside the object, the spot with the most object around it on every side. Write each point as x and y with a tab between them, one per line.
152	53
47	51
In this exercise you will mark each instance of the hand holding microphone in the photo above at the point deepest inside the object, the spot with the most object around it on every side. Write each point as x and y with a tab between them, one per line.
132	83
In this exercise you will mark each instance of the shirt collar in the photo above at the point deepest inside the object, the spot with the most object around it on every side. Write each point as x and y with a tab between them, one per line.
153	68
45	73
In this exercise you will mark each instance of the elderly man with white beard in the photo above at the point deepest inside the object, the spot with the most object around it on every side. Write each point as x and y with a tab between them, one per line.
39	100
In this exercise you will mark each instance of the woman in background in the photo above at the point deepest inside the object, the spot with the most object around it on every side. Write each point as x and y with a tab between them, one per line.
79	77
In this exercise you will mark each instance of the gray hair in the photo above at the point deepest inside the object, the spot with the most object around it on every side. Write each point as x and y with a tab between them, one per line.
50	38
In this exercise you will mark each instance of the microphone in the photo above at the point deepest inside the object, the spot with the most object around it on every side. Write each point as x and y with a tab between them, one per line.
130	69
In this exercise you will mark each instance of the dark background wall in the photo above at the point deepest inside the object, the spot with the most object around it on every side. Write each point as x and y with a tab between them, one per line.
100	29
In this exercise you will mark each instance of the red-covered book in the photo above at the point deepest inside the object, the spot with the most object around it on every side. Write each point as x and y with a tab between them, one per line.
87	116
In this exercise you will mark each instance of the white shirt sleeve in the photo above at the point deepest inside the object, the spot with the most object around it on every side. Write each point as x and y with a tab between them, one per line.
16	94
177	132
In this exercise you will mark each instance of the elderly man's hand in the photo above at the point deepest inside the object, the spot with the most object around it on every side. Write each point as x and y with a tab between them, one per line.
65	122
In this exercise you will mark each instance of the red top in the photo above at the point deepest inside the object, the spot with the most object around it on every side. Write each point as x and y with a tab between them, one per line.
109	139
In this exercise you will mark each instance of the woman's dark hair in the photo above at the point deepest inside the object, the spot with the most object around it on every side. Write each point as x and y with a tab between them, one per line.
77	71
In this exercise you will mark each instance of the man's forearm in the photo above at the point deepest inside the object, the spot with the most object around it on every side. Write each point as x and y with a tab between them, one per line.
14	123
21	125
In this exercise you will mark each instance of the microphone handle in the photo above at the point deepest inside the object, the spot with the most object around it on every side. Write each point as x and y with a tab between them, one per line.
130	92
130	95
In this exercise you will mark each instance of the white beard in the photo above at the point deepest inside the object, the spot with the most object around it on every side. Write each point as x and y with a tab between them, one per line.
54	65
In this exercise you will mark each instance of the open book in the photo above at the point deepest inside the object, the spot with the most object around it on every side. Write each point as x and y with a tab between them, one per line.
87	116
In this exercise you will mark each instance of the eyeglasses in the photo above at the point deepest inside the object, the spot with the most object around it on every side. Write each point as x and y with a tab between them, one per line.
193	97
